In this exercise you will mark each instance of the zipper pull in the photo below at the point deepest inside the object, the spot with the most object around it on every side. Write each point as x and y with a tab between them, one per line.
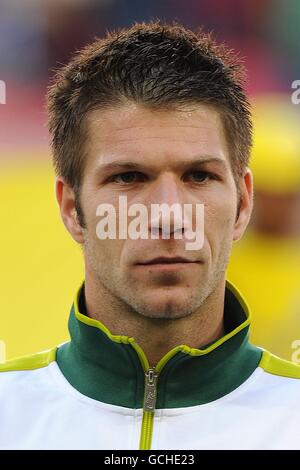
150	390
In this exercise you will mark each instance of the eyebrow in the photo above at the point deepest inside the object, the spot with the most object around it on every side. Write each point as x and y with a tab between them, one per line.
130	165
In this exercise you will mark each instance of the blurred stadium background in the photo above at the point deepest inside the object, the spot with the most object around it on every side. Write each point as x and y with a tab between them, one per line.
41	266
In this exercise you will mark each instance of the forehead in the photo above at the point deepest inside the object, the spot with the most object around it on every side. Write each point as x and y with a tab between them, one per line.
137	131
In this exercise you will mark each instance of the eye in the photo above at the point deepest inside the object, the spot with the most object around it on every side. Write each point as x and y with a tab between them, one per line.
200	176
128	177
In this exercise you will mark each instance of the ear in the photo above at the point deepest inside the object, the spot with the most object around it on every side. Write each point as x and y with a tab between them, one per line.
246	205
66	200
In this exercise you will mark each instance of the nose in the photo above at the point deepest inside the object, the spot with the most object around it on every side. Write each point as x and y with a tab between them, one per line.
167	216
167	190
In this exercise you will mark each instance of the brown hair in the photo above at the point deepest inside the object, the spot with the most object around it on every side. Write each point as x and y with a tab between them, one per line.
157	65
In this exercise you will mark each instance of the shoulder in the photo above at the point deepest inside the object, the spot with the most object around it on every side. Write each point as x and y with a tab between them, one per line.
28	387
20	371
276	387
26	380
280	367
30	362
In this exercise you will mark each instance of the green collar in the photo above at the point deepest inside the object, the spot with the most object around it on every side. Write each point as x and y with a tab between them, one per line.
112	369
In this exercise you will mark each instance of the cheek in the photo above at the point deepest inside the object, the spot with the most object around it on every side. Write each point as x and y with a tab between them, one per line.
93	196
220	211
104	255
101	239
219	219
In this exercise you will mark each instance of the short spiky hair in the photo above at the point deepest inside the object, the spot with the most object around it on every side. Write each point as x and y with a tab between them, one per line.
157	65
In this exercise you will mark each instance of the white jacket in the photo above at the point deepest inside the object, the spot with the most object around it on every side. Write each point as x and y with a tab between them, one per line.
98	392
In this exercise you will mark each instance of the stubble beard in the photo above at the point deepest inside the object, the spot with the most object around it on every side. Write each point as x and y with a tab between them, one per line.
128	294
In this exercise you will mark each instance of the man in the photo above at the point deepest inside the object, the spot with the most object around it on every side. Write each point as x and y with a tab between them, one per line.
159	356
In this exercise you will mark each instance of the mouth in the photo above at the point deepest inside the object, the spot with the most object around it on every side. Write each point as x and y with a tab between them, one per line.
165	265
162	260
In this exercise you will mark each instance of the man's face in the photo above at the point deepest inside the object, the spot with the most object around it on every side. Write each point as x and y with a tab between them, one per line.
173	156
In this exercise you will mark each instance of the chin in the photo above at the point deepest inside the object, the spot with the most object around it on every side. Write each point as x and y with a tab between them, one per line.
166	309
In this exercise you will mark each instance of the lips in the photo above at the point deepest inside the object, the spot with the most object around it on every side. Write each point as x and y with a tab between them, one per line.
166	260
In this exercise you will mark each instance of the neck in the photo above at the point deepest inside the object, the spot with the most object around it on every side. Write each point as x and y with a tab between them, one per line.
156	336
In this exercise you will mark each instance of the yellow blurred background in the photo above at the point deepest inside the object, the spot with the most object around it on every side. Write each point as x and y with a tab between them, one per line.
40	264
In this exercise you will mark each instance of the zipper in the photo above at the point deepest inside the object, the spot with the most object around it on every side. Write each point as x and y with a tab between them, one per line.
150	390
150	394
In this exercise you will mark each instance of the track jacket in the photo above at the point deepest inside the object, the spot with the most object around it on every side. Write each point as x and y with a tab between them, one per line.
98	392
